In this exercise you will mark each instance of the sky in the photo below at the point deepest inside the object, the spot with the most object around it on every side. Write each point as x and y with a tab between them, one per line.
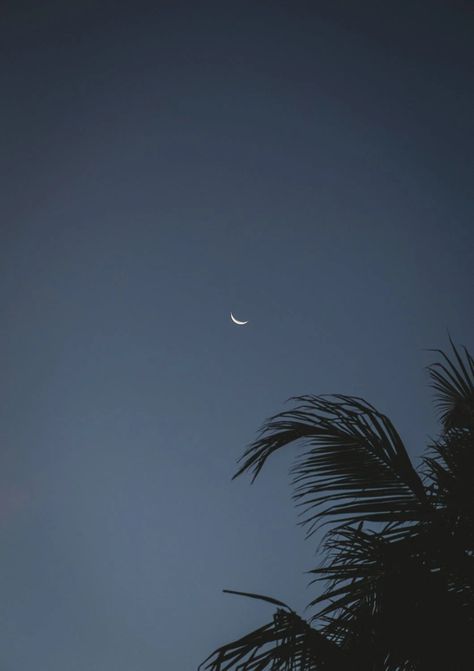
305	165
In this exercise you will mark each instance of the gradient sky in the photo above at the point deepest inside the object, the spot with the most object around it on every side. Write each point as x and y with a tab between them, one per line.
307	165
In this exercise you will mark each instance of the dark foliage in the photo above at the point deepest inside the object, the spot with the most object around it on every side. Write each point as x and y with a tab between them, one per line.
398	568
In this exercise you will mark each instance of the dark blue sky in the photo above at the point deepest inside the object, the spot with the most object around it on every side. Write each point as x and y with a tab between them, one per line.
307	165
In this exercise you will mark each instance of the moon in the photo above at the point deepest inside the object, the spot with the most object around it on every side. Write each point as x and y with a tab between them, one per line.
236	321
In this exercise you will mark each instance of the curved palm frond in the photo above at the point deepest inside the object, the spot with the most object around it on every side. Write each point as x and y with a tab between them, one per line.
285	644
356	469
259	597
454	386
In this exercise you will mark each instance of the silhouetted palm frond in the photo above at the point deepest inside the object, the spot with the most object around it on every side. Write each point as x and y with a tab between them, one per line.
453	382
357	467
285	644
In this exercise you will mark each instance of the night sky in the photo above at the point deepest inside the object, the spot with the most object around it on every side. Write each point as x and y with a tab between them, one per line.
305	165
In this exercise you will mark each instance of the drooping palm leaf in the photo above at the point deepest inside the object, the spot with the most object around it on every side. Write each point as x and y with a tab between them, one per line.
285	644
357	467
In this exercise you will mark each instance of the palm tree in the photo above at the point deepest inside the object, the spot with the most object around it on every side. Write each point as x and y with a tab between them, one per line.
398	568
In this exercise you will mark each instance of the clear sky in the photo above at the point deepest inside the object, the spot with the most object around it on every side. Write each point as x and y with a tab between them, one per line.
306	165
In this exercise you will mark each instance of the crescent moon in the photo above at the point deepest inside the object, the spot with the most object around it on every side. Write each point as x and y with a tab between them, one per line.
236	321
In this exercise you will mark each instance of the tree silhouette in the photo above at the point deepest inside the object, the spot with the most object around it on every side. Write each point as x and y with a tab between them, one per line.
398	558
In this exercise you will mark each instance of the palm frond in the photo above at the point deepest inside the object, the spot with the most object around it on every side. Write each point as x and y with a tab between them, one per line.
453	382
357	467
285	644
259	597
356	561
